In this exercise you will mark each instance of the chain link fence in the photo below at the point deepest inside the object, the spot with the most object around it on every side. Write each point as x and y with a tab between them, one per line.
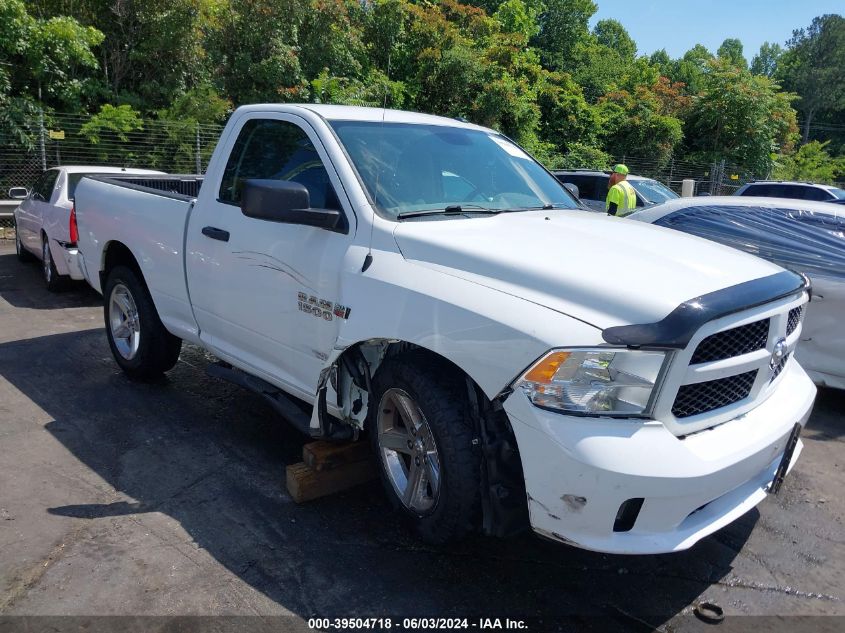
68	139
716	179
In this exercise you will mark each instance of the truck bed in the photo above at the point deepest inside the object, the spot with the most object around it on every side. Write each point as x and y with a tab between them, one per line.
148	215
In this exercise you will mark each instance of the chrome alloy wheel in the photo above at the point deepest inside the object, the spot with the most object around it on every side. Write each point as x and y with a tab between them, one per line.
46	261
408	451
123	321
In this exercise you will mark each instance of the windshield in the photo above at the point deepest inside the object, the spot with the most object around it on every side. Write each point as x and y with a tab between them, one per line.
653	191
411	167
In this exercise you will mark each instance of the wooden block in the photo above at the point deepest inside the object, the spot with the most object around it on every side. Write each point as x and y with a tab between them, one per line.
305	484
328	455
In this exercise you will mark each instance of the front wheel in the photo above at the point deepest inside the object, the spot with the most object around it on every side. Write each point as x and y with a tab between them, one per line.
422	434
139	342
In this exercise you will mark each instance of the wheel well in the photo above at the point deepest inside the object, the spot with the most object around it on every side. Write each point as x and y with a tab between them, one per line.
118	254
504	500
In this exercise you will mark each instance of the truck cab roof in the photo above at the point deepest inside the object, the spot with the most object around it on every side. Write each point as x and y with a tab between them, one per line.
358	113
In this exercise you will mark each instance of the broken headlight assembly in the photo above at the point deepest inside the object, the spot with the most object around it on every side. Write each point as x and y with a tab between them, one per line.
594	381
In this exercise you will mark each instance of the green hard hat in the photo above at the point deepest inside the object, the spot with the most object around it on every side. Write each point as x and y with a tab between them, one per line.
620	169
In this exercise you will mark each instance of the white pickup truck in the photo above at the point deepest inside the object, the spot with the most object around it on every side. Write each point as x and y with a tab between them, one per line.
513	360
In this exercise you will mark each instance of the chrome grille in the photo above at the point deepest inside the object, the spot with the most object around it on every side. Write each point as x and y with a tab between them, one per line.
733	342
794	319
707	396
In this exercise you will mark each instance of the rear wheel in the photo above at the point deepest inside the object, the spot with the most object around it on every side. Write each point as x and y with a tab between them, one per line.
53	280
422	433
139	342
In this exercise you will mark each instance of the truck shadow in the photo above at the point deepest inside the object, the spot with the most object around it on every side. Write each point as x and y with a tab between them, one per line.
212	457
21	286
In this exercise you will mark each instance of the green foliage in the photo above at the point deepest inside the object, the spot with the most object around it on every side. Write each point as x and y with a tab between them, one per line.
515	16
692	68
612	34
741	117
198	105
110	121
810	163
637	125
47	60
731	52
563	26
585	157
766	61
375	91
109	130
813	68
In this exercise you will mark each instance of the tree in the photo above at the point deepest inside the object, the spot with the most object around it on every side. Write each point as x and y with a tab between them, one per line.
813	67
810	163
516	16
742	118
563	26
50	61
661	60
766	61
638	124
612	34
731	51
254	51
692	67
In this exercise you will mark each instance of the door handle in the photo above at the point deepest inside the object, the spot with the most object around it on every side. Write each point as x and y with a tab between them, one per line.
215	233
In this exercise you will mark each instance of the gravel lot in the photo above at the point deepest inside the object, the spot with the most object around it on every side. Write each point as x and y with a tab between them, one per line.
118	498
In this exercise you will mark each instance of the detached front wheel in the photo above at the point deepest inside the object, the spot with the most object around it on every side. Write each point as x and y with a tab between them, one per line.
139	342
422	434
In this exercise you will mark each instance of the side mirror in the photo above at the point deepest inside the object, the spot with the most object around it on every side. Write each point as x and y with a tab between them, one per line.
284	201
18	193
573	189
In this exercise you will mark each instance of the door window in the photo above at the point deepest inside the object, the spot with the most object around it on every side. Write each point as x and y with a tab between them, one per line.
277	150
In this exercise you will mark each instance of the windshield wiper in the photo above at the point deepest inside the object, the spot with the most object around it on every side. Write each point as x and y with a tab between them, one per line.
545	207
453	209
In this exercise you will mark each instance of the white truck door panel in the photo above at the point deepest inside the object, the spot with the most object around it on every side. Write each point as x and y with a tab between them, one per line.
266	296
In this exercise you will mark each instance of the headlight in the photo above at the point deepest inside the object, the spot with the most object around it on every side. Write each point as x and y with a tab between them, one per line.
599	381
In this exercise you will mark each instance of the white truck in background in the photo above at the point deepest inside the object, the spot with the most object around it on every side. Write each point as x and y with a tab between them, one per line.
513	359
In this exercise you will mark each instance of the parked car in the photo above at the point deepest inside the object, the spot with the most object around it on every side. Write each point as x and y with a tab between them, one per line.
788	189
805	236
45	224
592	187
513	360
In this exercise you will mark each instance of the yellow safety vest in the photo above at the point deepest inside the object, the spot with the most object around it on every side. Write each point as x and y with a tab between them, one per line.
623	194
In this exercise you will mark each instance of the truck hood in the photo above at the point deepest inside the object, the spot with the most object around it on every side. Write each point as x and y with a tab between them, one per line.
603	270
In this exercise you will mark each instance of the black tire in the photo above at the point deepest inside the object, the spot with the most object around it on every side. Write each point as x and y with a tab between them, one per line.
439	391
156	349
52	279
23	254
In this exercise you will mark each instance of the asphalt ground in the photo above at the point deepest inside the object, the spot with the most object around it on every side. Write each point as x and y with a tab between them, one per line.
168	499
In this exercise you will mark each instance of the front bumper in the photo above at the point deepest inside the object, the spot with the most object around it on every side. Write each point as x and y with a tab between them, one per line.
579	471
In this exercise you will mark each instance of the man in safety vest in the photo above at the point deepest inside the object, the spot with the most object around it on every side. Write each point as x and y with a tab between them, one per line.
621	197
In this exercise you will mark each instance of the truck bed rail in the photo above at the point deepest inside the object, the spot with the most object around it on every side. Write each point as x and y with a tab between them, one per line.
180	186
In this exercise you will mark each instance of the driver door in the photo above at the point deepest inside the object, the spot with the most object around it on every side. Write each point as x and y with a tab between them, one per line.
264	297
